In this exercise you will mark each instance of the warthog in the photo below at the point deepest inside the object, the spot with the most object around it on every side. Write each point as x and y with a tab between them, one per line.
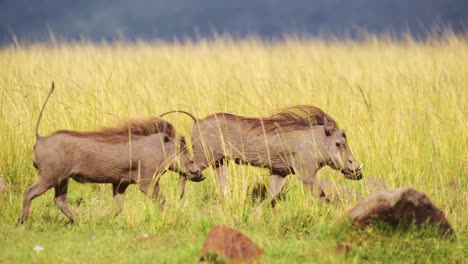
297	140
139	151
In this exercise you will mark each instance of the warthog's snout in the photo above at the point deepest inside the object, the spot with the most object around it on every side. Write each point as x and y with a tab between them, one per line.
355	174
196	176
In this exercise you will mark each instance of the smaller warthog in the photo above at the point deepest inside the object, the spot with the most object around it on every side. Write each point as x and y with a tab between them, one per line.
139	151
297	140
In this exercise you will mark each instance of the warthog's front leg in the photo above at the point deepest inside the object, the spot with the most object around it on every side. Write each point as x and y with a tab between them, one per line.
221	178
151	189
313	186
118	190
308	176
60	199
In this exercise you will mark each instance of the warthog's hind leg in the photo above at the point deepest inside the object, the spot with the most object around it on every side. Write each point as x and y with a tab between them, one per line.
118	190
31	193
312	185
60	199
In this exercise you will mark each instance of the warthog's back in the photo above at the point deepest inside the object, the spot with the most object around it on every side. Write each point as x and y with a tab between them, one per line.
95	161
227	136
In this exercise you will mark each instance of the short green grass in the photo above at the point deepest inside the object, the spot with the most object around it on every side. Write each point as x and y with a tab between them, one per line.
402	103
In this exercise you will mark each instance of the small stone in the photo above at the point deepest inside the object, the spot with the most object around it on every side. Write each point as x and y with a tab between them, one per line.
224	243
38	248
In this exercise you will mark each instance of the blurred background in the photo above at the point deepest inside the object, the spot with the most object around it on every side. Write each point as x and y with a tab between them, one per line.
35	20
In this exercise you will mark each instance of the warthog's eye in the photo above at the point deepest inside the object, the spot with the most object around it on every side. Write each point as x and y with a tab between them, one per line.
338	144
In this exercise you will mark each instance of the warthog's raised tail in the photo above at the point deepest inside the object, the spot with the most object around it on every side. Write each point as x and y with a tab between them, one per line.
183	112
42	110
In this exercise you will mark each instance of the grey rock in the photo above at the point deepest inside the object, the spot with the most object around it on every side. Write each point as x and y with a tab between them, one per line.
338	193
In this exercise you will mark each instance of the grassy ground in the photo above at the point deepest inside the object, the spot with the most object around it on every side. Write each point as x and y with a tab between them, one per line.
403	105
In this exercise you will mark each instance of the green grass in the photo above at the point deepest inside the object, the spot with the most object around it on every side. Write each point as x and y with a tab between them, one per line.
403	105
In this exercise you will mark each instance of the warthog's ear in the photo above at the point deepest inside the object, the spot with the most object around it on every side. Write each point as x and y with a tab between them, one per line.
329	126
169	129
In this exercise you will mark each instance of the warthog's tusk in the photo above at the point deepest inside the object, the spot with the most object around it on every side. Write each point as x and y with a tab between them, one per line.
360	166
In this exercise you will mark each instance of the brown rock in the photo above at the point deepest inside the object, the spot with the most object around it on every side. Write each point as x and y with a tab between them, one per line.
375	185
225	243
337	193
399	208
3	186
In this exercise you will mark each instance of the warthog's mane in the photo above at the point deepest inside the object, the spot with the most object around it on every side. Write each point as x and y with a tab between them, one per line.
141	126
292	118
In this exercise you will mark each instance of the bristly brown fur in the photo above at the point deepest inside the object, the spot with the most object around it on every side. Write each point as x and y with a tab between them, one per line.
292	118
143	126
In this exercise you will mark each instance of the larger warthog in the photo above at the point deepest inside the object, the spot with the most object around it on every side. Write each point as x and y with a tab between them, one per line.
297	140
139	151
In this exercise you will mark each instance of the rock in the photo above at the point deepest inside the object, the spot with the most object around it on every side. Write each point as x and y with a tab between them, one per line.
3	186
375	185
399	208
225	243
337	193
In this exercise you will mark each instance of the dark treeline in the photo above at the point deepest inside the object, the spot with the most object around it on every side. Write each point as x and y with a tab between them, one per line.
32	20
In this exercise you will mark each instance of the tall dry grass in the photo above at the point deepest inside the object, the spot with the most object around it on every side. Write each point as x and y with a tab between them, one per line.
402	103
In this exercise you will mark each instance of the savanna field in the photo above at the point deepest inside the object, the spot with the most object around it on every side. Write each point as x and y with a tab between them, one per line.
402	103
